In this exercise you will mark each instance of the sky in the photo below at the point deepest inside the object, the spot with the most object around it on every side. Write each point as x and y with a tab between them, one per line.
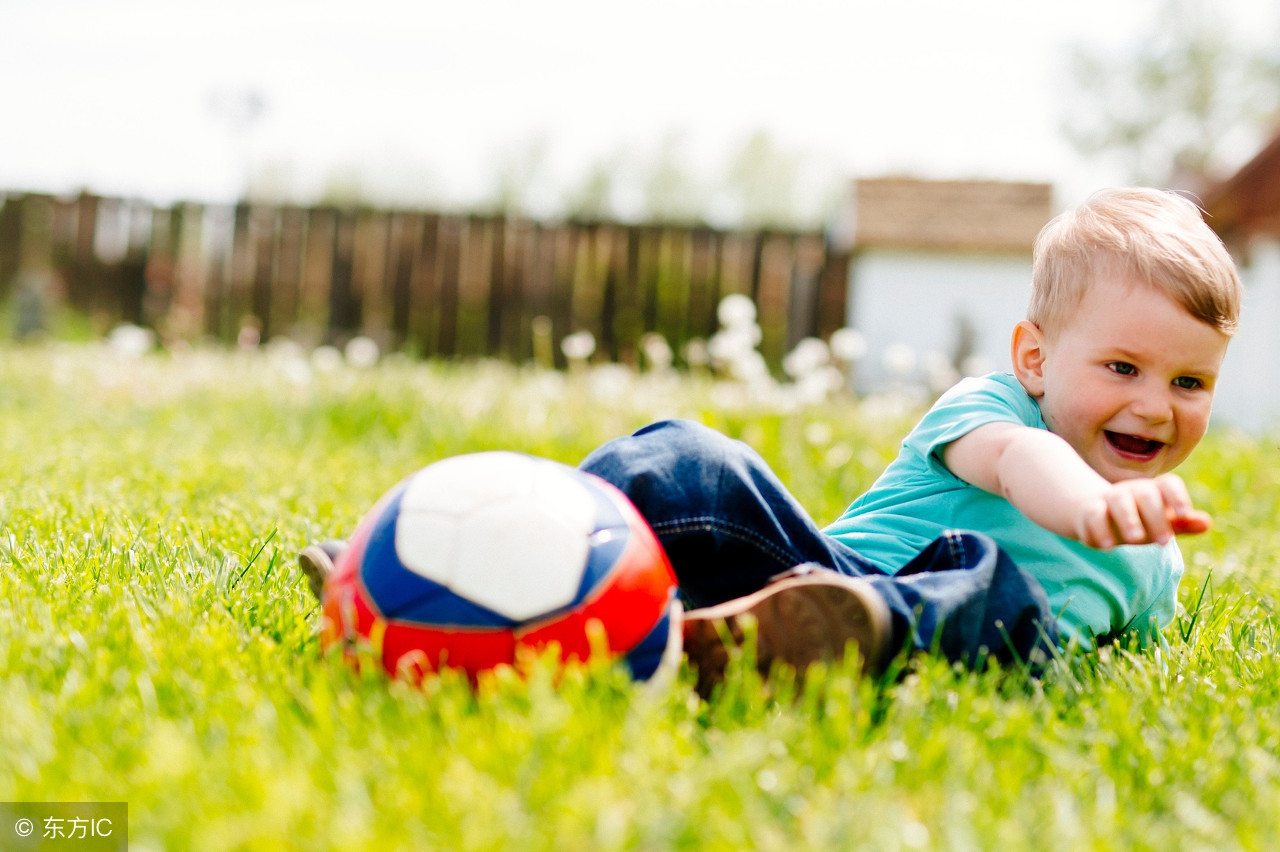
424	103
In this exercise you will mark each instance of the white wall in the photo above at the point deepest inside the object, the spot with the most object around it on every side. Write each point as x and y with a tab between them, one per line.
915	297
1249	386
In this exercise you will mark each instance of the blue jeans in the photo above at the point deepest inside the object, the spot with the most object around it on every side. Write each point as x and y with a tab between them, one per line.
728	525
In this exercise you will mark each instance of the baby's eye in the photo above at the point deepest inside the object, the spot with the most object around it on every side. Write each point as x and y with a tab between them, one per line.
1187	382
1123	368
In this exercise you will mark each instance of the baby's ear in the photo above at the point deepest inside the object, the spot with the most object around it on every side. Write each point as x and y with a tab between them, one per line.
1028	357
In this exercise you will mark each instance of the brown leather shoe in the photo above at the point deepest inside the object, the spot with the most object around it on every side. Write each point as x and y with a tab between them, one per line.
316	561
800	620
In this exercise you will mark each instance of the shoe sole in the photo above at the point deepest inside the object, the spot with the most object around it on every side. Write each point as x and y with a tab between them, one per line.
799	621
317	565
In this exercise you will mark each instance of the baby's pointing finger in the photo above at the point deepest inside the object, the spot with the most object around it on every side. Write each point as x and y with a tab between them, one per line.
1173	490
1194	523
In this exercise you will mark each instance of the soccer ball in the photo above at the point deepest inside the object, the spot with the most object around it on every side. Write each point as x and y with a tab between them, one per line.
473	557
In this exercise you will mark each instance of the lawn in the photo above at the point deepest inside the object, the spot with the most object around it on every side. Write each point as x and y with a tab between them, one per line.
157	642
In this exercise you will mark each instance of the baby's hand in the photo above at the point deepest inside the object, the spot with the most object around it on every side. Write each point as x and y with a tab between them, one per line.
1140	511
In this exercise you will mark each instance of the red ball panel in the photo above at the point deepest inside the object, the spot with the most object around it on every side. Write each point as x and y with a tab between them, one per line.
627	603
413	650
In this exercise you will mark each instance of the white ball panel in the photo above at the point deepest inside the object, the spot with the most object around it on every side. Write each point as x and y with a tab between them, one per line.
519	560
462	484
427	545
506	531
559	492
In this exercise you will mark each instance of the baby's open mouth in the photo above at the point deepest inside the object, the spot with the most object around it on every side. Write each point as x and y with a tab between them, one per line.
1132	445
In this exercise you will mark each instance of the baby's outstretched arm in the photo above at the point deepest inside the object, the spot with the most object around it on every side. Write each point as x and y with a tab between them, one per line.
1040	474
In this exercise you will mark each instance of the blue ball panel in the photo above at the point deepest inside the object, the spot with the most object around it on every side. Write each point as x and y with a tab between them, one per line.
607	547
401	594
611	537
644	658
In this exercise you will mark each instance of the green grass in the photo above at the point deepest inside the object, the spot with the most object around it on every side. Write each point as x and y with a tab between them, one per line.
157	647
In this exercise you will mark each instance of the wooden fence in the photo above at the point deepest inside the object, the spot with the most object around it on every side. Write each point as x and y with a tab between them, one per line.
430	284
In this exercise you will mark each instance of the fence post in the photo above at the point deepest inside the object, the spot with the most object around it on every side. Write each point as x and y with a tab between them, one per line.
833	291
591	305
613	299
220	231
670	309
32	279
628	313
452	231
344	309
311	322
424	289
263	230
10	242
473	287
528	289
34	241
237	303
704	281
401	246
573	248
495	339
773	292
287	273
803	307
158	276
186	308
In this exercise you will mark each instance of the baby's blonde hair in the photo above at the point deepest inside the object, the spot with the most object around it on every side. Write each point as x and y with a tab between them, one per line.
1148	235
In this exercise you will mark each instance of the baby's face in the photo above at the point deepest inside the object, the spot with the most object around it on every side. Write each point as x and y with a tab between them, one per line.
1129	380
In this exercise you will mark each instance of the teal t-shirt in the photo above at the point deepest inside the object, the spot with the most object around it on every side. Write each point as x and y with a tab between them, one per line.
1094	593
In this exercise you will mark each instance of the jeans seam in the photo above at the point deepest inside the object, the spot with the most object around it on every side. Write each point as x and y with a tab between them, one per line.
737	531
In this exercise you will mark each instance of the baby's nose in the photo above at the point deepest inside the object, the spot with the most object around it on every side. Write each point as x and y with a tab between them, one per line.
1153	404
